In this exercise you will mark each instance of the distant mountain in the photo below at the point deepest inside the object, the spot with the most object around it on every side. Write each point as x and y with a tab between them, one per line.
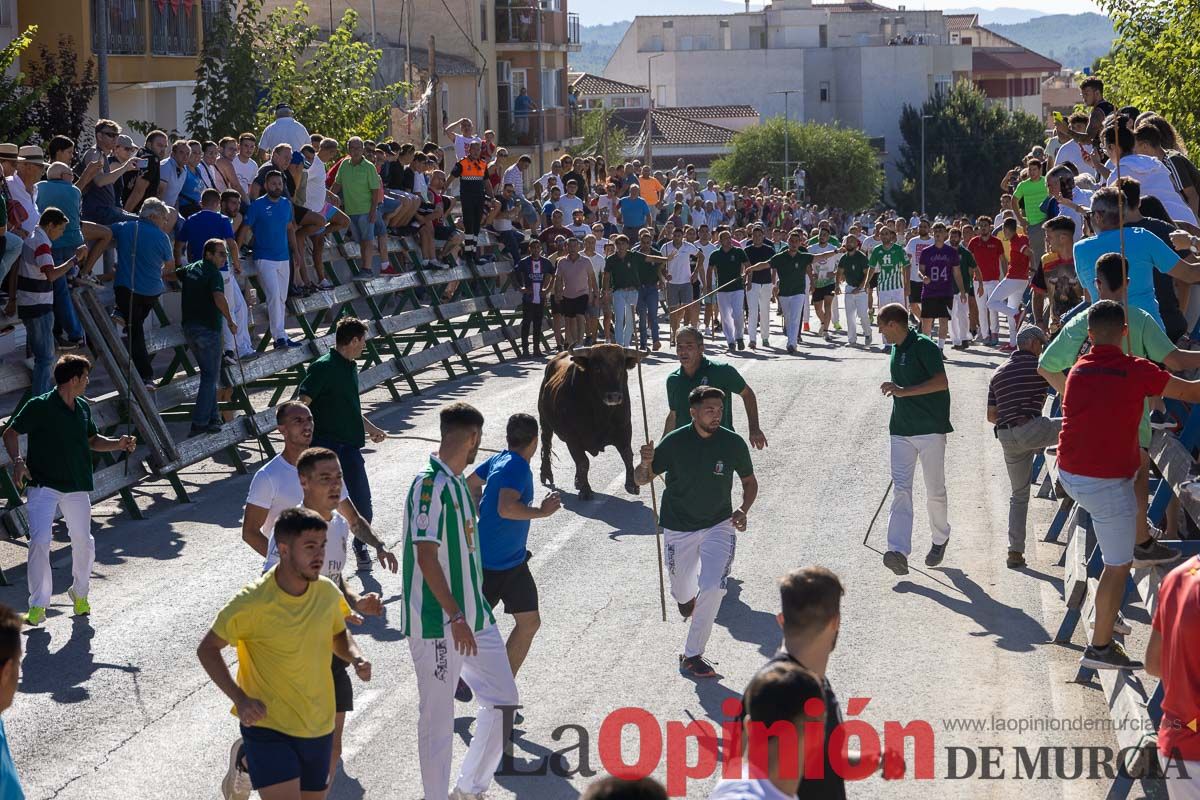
597	44
998	16
1074	40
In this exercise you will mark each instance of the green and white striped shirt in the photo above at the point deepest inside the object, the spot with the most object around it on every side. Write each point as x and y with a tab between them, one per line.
891	262
441	510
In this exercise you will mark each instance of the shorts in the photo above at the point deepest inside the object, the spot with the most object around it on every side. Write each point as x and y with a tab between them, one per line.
573	306
444	233
936	307
696	291
299	212
274	757
1113	508
822	292
874	283
343	689
679	294
915	290
514	587
389	205
364	229
328	213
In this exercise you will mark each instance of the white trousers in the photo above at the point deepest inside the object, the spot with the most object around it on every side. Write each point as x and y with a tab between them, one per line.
1006	299
438	667
795	312
698	563
239	344
77	512
275	276
960	321
989	321
835	319
733	319
1181	788
930	449
758	302
856	313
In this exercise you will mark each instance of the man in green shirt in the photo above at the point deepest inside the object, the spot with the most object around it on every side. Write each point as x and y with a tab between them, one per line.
793	271
330	389
620	282
59	473
361	189
856	274
920	421
652	273
203	305
1027	204
726	269
696	370
699	522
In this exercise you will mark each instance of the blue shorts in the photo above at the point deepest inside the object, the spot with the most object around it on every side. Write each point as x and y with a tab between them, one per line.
389	205
274	757
364	229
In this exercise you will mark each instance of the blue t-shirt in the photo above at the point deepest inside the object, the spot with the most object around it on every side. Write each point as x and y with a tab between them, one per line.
269	221
1145	253
634	212
202	226
502	541
66	198
10	787
153	250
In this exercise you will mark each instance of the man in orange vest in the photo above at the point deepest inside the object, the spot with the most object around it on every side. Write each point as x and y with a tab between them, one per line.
473	185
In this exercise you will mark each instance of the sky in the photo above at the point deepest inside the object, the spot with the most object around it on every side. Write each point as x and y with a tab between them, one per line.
594	12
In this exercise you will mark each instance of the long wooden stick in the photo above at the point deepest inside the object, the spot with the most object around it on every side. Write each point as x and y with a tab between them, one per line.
662	592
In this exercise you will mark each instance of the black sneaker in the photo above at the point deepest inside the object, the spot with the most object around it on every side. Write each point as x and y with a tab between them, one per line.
365	562
1152	553
463	693
791	349
895	561
686	609
1111	657
229	359
741	345
1015	559
935	555
696	667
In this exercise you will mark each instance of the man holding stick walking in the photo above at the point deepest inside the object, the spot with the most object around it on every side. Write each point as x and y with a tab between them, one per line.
699	522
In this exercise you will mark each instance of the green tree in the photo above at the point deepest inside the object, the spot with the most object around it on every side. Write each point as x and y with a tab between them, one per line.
842	169
1153	61
601	137
969	145
18	98
66	91
227	80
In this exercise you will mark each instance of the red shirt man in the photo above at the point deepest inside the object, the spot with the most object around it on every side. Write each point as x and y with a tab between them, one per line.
1171	655
988	253
1018	264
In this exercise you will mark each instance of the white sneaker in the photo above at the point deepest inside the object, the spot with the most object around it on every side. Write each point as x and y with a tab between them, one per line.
459	794
236	784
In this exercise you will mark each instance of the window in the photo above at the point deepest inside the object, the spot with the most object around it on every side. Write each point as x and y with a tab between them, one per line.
660	94
823	35
654	44
687	42
6	14
591	102
942	84
965	40
824	91
617	102
758	37
633	102
551	89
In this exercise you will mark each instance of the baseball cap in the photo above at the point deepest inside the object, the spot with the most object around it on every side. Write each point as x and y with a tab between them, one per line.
1030	332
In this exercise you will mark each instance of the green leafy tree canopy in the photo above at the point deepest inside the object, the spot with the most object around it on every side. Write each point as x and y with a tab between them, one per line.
66	91
18	98
601	137
842	169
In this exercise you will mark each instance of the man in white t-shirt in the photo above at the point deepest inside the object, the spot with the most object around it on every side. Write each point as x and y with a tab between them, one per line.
593	250
681	273
463	137
316	199
1072	151
286	129
244	165
578	227
914	248
706	246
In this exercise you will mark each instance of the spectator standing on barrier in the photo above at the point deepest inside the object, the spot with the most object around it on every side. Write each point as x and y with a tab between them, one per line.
448	621
58	192
473	188
210	223
144	255
10	676
1103	403
1016	394
503	489
61	438
287	626
330	389
919	423
1170	656
362	192
100	175
1028	198
203	306
269	220
286	129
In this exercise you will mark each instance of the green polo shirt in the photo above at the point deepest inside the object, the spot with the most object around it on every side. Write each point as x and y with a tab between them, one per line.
649	272
1034	193
59	452
699	476
729	266
200	281
854	268
332	383
1146	340
359	182
709	373
624	273
792	271
967	262
914	361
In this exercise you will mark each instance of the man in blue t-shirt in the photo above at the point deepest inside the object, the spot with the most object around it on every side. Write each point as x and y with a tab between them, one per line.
506	483
634	212
143	253
269	219
10	675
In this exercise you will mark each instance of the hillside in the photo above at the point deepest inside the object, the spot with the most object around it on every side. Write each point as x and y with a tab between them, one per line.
598	43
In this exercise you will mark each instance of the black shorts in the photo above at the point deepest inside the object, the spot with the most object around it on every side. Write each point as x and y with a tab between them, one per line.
298	213
515	587
574	306
936	307
822	292
874	284
914	291
696	291
343	689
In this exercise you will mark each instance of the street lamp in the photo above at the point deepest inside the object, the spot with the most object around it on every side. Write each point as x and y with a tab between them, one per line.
786	131
923	118
650	109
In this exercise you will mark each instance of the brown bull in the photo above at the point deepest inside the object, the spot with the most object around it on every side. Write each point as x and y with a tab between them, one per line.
585	400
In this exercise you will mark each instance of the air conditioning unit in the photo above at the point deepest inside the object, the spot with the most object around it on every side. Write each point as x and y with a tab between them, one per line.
503	72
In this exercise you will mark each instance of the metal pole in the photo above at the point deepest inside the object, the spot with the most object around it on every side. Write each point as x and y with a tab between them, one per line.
786	137
922	163
434	125
541	112
102	57
372	23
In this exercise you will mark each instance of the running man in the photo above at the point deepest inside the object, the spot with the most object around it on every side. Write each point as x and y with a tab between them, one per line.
287	626
1006	297
449	624
726	267
62	437
941	275
856	271
891	263
699	522
682	257
793	275
697	370
920	421
503	486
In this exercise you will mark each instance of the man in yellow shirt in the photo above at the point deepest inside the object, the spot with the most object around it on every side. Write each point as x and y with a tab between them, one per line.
287	626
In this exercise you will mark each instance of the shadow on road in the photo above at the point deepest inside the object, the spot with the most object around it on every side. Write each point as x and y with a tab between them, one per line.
344	787
62	674
1014	629
746	624
712	695
618	513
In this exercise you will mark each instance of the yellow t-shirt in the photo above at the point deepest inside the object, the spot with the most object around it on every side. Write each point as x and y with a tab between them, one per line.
284	647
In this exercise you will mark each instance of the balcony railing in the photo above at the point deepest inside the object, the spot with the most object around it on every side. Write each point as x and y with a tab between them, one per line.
572	28
524	130
173	30
526	24
126	27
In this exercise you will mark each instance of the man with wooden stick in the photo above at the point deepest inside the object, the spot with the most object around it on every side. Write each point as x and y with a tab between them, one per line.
699	522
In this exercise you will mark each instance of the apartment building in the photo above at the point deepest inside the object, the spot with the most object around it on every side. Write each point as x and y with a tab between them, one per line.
1009	74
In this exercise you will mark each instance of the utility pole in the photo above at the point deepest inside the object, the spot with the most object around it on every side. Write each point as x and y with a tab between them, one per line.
434	127
102	57
541	112
924	117
787	133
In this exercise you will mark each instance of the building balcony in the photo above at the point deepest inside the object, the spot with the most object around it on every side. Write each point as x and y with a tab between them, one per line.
526	130
169	29
525	27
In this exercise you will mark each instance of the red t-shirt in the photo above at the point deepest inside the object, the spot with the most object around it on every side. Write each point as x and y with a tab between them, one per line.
1018	262
1102	409
987	256
1177	620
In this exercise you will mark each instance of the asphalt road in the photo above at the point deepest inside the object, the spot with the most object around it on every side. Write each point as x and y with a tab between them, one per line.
117	706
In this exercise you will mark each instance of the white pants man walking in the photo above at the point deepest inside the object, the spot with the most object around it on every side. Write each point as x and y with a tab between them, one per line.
758	302
795	312
906	451
275	277
732	317
856	314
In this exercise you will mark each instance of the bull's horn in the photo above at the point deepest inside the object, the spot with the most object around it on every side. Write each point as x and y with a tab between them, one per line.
582	352
633	353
